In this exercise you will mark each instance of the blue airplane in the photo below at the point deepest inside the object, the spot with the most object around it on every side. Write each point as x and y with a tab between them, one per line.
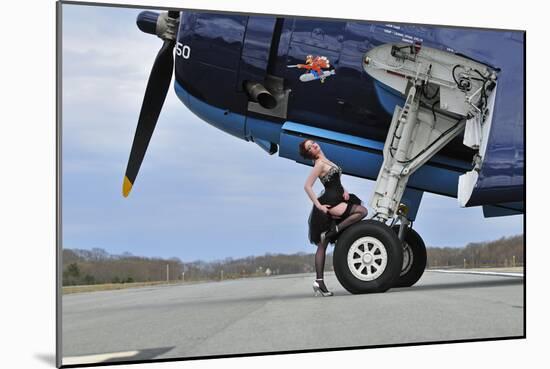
416	108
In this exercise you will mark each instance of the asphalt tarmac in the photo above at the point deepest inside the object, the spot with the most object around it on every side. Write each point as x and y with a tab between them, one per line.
280	313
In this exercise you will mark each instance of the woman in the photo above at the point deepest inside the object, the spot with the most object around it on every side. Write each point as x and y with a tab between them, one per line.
334	205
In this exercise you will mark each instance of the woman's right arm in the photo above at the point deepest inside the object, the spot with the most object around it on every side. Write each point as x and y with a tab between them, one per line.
308	186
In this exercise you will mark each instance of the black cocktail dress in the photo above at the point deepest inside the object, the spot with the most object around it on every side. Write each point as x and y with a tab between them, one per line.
333	195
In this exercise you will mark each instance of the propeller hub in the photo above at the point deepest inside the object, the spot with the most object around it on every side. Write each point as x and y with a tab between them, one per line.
164	25
167	26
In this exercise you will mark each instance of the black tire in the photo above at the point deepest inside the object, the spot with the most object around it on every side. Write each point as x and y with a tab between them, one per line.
414	258
384	257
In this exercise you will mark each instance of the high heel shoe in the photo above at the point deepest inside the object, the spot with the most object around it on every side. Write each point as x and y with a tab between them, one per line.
321	288
331	233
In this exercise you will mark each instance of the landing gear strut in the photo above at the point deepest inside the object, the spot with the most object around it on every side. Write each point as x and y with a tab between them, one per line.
444	94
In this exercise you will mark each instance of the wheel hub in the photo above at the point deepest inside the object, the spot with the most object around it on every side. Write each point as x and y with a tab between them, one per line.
367	258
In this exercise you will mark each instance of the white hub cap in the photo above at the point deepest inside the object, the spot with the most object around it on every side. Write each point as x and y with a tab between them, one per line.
367	258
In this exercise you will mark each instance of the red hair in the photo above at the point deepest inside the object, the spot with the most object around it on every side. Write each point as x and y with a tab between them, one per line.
304	153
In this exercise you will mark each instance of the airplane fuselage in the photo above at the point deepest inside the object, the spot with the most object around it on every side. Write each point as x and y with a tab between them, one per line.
217	54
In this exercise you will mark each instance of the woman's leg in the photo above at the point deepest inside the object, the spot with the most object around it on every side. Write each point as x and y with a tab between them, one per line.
357	213
320	267
338	210
320	258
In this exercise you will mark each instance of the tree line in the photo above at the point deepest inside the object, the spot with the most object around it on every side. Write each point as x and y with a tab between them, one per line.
96	266
504	252
253	266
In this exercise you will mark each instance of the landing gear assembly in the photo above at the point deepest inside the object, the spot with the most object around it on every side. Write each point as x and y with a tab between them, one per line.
445	95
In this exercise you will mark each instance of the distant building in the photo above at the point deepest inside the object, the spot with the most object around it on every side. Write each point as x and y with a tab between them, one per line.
268	272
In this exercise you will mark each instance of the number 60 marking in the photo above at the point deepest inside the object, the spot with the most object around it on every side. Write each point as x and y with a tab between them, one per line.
183	50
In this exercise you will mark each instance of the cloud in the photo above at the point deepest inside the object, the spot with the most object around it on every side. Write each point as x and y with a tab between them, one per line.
106	65
101	43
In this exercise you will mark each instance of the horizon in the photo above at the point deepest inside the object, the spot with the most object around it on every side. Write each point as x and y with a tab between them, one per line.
330	250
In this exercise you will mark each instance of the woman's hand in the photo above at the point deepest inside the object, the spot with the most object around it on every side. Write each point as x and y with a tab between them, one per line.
346	195
324	208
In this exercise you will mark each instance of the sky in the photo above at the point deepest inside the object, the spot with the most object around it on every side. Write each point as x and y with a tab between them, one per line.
200	193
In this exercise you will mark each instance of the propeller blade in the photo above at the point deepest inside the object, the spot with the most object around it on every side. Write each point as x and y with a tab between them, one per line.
155	94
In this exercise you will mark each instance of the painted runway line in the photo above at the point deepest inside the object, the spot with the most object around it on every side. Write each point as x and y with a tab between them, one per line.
498	274
86	359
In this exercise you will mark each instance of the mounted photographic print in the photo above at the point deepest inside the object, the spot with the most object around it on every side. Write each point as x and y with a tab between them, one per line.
245	184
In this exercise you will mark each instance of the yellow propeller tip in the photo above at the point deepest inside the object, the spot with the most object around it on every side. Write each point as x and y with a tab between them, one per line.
126	187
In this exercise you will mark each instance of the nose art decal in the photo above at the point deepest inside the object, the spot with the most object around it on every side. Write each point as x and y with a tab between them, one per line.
317	67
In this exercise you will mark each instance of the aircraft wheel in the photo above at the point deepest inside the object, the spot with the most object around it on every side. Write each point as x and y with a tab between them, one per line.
414	258
368	257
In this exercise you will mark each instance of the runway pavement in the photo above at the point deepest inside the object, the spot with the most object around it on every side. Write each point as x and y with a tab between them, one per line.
280	313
